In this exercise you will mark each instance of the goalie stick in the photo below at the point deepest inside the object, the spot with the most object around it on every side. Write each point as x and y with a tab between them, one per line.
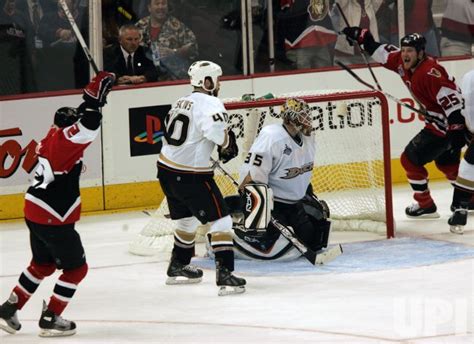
78	34
312	256
362	51
388	95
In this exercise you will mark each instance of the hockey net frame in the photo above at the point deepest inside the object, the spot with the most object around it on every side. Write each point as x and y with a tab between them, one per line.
340	107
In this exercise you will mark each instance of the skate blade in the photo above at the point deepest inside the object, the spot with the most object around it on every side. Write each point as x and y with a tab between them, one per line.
328	255
434	215
56	333
456	229
230	290
4	326
182	280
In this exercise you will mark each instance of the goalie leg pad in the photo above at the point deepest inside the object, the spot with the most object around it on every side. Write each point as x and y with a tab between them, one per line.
258	206
311	224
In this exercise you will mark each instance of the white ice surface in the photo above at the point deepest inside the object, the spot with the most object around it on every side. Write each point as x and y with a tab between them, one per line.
415	289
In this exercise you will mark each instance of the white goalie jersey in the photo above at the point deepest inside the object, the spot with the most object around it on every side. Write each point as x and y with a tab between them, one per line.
277	160
194	125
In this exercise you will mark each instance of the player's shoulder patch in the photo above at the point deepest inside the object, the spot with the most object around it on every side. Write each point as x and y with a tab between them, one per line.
71	131
434	72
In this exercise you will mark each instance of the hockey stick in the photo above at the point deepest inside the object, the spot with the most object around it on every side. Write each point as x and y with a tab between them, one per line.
312	256
388	95
78	34
362	51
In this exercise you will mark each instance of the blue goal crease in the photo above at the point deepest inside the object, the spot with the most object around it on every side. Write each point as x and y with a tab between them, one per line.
361	257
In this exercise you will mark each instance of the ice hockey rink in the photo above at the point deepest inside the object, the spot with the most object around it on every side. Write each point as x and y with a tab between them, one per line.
417	288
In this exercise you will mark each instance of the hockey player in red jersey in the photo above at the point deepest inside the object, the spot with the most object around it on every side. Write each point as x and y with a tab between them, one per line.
52	207
443	136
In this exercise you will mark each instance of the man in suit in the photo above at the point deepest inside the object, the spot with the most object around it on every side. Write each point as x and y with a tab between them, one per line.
128	60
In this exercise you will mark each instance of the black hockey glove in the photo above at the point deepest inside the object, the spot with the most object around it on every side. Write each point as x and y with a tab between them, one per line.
357	34
457	138
95	94
231	151
457	130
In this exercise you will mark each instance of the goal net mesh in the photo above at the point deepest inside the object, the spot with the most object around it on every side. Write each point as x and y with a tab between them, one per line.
351	162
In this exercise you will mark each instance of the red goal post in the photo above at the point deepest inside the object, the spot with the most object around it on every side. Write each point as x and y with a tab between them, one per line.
352	163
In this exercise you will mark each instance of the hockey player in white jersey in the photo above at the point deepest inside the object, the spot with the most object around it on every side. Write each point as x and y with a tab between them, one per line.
194	126
282	158
464	185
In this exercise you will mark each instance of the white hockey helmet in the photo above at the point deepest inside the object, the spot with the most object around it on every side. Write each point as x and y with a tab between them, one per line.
297	112
200	70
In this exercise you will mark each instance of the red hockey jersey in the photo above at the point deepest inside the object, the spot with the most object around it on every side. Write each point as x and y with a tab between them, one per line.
54	196
429	84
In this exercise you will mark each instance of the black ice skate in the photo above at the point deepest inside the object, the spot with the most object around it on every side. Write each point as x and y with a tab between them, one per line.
458	220
52	325
179	273
470	207
8	315
414	211
228	283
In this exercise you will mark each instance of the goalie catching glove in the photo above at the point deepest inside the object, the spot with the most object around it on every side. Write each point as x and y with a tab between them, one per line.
231	150
95	93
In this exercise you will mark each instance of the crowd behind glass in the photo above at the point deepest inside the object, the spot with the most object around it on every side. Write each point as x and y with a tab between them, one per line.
39	51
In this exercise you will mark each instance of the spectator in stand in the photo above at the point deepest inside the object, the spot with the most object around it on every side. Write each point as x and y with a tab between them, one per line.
457	28
418	18
114	15
307	32
34	10
173	44
127	59
361	13
15	76
61	62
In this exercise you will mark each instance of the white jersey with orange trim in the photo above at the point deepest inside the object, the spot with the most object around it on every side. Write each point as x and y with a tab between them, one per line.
467	87
194	125
278	160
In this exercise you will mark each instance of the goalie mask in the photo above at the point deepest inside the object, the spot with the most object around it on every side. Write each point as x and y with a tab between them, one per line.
66	116
199	71
297	112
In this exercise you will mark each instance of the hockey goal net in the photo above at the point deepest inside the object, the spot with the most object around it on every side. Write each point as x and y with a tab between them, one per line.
352	162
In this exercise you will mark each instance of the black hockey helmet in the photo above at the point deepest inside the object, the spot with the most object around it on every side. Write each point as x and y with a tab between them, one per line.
414	40
66	116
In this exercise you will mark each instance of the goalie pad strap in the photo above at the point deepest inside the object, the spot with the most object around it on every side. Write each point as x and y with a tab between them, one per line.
258	206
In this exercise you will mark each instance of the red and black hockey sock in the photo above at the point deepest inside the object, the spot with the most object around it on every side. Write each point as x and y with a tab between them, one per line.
65	288
30	279
450	171
418	179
